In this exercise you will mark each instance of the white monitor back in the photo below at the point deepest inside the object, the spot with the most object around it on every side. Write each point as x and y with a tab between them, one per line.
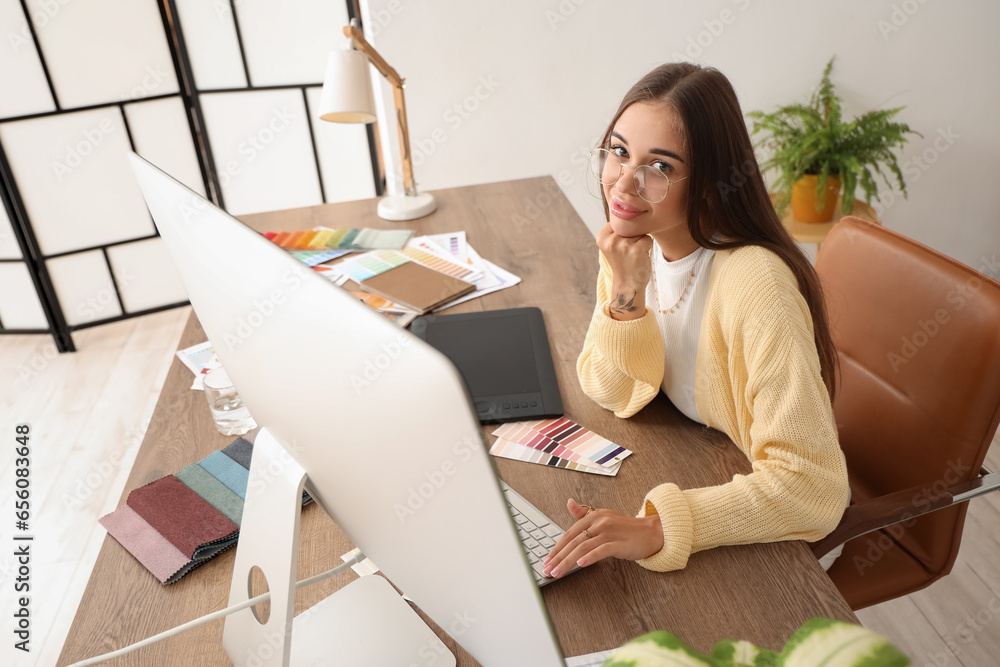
380	421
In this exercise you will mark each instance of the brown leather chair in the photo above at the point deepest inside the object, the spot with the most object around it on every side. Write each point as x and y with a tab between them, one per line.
917	405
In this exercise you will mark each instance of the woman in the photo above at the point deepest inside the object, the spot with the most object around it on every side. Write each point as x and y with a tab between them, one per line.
704	294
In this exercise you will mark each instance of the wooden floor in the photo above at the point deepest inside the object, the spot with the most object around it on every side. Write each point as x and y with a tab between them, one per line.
88	412
955	621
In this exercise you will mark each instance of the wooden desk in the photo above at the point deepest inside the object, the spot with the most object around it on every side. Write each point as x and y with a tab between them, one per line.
761	592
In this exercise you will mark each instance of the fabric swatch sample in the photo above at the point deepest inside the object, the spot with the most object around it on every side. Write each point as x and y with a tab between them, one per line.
215	492
239	450
150	548
180	515
178	523
200	560
227	471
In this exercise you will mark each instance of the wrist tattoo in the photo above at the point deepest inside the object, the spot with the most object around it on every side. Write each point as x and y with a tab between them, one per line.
620	304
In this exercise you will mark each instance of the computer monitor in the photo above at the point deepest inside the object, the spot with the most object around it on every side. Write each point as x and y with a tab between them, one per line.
380	421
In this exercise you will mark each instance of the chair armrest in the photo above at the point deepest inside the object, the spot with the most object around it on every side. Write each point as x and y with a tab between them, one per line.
870	515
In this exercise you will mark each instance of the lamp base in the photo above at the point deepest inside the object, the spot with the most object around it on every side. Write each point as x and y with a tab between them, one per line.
406	207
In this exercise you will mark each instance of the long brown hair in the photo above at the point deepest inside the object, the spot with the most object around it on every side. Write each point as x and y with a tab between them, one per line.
728	204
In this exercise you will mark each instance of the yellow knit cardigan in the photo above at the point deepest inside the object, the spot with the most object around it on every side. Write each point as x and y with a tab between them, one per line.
757	379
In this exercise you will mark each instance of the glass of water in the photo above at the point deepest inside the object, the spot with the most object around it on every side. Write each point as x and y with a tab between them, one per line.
231	416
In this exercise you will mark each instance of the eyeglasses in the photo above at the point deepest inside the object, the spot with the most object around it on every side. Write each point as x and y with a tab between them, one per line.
650	183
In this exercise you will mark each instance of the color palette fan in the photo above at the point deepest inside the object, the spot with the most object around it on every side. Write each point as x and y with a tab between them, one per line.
508	449
559	443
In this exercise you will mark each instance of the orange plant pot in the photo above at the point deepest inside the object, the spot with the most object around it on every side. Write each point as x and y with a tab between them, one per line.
804	199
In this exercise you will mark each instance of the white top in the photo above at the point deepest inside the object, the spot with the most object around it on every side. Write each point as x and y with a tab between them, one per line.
681	328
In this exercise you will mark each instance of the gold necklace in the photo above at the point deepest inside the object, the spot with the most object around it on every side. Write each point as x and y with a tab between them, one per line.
683	292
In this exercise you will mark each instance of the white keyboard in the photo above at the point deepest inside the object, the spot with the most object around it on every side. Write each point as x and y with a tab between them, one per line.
538	533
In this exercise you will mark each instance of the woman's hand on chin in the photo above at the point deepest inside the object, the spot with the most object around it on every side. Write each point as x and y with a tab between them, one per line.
631	269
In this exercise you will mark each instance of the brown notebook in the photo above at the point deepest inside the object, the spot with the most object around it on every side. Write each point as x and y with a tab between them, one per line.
415	286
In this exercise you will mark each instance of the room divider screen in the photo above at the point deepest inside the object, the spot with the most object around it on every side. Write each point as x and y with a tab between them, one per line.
219	93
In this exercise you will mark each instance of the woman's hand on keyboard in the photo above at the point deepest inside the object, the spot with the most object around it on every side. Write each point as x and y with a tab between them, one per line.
599	534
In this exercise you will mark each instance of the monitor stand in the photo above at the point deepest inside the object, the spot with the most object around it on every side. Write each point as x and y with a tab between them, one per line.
365	622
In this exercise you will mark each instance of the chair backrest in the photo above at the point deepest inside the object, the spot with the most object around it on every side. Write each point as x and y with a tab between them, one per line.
918	399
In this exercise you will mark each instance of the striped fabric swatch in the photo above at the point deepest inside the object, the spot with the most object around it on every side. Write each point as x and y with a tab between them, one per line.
178	522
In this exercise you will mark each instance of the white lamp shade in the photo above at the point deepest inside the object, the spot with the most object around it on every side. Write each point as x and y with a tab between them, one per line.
347	90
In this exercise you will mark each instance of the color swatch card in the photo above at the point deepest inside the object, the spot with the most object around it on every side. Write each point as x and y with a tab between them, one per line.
200	359
314	257
433	257
545	446
454	243
509	449
371	264
566	439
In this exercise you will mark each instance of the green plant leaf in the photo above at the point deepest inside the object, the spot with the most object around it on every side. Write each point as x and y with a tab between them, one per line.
823	641
813	138
659	649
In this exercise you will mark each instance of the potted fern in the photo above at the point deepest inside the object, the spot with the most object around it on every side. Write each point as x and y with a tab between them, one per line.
815	152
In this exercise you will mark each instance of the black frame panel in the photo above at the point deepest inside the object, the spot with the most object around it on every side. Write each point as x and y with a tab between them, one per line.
190	95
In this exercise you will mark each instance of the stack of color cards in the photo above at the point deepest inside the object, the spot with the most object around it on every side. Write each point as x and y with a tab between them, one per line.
322	238
559	443
181	521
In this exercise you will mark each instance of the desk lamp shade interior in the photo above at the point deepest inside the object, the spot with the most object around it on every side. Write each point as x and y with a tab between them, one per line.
347	90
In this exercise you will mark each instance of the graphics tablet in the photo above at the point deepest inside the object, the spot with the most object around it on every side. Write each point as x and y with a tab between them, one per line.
504	358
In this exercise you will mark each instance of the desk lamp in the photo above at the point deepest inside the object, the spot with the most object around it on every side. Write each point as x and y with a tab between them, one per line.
347	98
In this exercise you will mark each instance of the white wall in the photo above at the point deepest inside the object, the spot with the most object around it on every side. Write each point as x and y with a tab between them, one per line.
549	74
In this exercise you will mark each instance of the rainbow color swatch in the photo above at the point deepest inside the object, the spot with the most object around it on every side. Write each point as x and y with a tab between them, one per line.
341	239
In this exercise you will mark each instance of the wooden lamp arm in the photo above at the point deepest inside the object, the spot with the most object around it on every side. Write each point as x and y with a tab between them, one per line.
361	44
870	515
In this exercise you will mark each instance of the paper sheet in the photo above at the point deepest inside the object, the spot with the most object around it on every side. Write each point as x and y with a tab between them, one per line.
200	359
590	660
